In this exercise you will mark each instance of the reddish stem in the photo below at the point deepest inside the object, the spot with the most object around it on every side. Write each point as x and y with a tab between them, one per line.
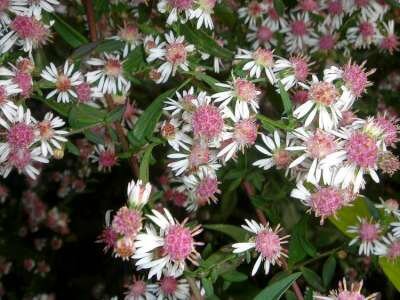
91	19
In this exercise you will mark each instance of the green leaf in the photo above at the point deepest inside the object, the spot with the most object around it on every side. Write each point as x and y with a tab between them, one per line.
100	46
299	246
287	103
391	270
83	115
225	14
234	232
203	41
234	276
312	279
145	163
208	287
328	270
135	60
115	115
210	81
277	289
68	33
347	216
279	7
72	148
270	125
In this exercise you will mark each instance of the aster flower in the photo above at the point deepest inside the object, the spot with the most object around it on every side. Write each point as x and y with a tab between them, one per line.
170	287
130	36
138	194
176	9
251	13
124	248
325	103
261	36
336	10
390	206
173	238
258	61
14	7
127	222
364	34
49	136
202	11
343	293
387	39
105	156
199	157
175	136
273	20
174	53
23	160
138	289
20	76
241	135
354	76
64	81
203	189
109	77
367	233
267	244
20	132
357	156
297	33
276	152
388	246
292	71
323	201
27	32
87	94
243	92
185	103
324	40
36	7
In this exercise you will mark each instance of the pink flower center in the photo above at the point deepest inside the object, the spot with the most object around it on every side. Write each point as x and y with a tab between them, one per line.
176	53
255	9
347	295
45	130
3	95
335	7
20	158
113	67
299	27
127	222
168	285
83	92
392	204
368	232
268	244
320	144
199	155
390	43
282	159
29	28
63	83
20	135
324	93
263	57
138	288
264	34
327	42
178	242
326	201
348	118
107	159
300	96
125	247
355	78
25	65
24	82
168	130
245	90
394	250
308	5
246	132
207	121
389	128
207	187
181	4
273	14
361	3
4	4
300	67
207	5
129	33
367	29
362	150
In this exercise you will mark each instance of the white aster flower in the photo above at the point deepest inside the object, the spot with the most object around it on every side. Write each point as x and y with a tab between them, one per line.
258	62
138	193
36	7
367	233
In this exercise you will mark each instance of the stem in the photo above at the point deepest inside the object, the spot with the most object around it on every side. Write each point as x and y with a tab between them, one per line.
260	215
194	288
90	19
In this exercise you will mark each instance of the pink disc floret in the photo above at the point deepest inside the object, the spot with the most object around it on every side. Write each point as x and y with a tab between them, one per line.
168	285
207	187
20	135
246	132
245	90
362	150
178	243
320	144
127	222
268	244
207	121
369	232
326	201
